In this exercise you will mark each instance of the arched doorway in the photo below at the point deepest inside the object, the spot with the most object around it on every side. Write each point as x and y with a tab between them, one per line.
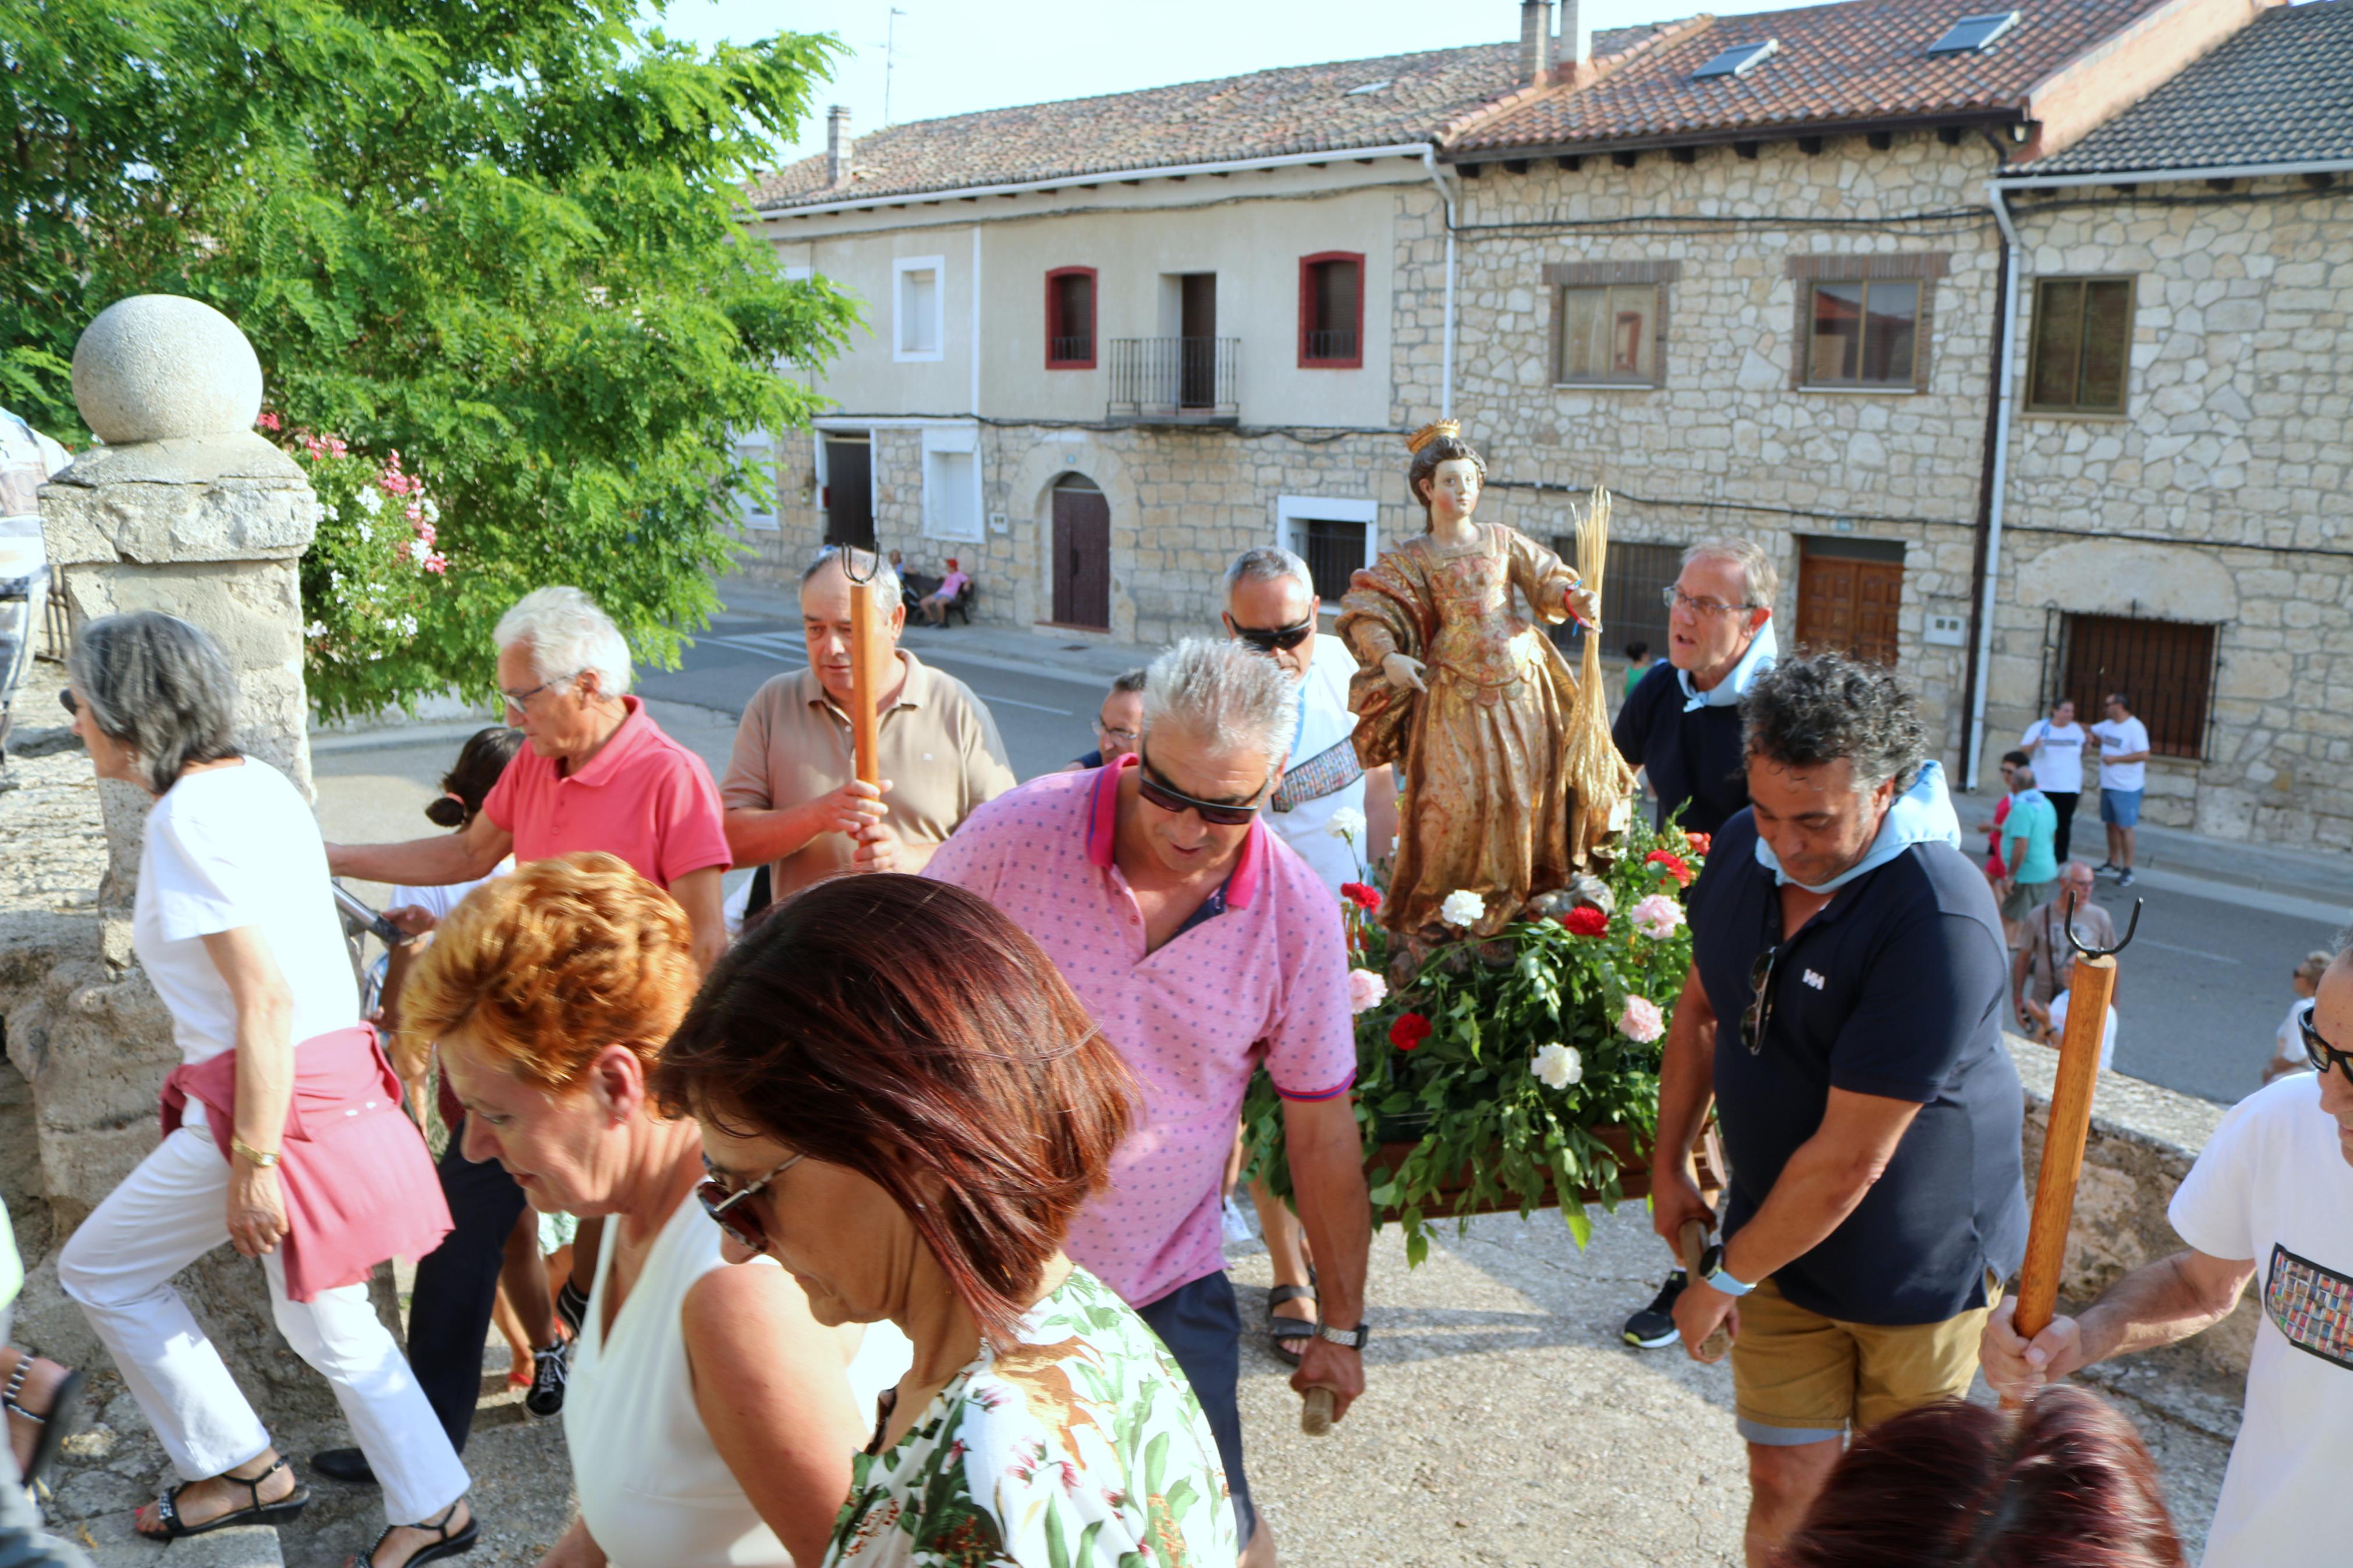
1082	554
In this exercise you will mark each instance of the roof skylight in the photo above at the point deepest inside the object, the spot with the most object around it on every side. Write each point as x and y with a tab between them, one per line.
1739	60
1972	34
1367	87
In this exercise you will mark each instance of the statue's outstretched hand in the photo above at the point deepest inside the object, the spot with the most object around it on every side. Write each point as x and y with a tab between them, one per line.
1583	603
1403	670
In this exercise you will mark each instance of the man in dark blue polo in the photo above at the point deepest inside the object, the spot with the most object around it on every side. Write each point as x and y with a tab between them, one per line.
1681	725
1844	1011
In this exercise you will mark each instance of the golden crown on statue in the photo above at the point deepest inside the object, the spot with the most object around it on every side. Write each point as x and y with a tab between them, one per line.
1435	430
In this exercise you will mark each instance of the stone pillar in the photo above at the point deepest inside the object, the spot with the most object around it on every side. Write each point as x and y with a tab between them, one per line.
180	508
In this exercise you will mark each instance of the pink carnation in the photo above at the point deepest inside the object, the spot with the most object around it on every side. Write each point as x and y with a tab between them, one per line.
1367	989
1657	917
1641	1020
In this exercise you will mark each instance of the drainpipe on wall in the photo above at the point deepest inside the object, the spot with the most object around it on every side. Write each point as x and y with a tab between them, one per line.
1446	362
2005	377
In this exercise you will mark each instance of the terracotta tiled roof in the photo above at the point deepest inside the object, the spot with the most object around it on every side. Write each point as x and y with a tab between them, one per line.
1301	109
1863	62
2280	91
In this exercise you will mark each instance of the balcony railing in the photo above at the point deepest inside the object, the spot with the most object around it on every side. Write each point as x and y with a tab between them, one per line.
1165	380
1322	348
1071	350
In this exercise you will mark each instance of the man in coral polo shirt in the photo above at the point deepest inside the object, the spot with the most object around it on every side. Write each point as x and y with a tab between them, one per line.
1204	947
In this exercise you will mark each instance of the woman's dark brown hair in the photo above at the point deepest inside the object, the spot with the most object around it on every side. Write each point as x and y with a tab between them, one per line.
1439	449
2064	1483
905	1030
481	760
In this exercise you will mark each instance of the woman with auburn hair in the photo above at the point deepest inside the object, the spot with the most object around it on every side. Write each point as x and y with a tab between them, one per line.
709	1418
904	1104
2063	1483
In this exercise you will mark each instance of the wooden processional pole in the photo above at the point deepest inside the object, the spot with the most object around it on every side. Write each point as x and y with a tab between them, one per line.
862	724
2089	992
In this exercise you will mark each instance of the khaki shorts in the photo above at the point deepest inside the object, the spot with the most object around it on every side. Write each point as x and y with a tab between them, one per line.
1800	1377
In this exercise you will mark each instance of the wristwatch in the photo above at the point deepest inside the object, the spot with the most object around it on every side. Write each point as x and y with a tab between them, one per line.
1353	1338
264	1158
1711	1272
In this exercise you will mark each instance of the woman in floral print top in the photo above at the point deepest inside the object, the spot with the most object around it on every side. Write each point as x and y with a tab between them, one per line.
904	1104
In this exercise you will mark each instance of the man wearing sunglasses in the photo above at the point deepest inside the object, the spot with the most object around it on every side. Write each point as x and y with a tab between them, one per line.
1844	1011
2271	1192
1205	949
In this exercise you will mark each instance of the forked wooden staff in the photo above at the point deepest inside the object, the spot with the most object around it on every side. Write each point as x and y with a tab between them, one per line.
2093	983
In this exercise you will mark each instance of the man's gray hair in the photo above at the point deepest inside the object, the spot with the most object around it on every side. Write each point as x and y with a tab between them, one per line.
1761	580
1129	680
161	686
2021	776
1226	692
1818	707
1267	563
569	636
845	560
2077	871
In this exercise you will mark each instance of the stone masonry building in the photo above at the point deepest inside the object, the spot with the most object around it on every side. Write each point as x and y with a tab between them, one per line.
1747	271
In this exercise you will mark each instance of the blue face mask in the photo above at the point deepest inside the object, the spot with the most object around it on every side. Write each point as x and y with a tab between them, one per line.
1763	651
1921	815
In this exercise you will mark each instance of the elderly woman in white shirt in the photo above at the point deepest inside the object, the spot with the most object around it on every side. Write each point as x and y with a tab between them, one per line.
711	1419
236	927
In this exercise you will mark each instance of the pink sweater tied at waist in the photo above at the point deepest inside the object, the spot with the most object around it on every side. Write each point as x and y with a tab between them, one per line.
358	1185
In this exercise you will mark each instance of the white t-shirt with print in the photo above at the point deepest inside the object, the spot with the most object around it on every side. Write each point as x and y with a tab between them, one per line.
2122	737
2058	760
2272	1184
1323	722
228	848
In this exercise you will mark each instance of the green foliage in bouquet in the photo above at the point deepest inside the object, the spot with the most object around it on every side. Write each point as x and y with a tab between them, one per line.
1499	1073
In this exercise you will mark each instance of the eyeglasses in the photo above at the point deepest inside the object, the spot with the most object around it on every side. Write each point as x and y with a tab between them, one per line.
1106	734
1674	598
1281	637
743	1225
1759	1015
521	701
1217	813
2319	1052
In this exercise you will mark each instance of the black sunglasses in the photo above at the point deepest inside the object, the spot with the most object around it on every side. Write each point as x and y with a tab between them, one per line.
1282	637
2319	1052
1759	1013
1215	814
743	1225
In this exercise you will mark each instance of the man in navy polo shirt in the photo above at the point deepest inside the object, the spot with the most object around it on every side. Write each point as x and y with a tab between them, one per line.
1854	959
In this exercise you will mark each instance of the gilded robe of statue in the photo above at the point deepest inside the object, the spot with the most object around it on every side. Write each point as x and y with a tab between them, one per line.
1482	773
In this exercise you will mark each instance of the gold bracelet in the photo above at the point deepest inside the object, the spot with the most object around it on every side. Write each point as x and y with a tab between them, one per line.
264	1158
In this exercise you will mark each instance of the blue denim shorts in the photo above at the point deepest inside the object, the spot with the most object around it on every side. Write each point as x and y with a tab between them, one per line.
1203	1330
2120	807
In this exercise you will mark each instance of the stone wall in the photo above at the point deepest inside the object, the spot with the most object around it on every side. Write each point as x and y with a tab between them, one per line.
2221	495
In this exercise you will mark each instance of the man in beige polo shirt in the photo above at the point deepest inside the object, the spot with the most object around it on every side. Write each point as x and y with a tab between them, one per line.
790	795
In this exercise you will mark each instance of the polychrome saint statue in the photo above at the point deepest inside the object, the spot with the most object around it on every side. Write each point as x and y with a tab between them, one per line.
1471	699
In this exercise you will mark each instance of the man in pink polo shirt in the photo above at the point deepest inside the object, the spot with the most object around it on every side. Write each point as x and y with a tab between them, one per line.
596	773
1205	948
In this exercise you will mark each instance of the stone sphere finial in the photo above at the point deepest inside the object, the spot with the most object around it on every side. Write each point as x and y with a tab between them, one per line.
156	367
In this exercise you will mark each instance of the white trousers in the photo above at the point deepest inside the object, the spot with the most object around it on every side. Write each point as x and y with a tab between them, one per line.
119	1266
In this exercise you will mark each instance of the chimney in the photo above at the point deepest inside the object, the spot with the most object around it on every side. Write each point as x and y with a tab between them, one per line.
1535	41
1576	49
836	145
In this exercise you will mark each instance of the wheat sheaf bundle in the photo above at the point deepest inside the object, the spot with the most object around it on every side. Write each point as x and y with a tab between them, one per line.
1603	781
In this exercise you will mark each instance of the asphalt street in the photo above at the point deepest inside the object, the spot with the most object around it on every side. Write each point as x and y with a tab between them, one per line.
2202	990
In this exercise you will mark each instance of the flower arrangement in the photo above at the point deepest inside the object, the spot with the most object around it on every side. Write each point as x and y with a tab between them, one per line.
1503	1077
375	575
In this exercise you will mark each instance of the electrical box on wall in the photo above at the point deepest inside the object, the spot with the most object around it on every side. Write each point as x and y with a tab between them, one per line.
1947	631
997	523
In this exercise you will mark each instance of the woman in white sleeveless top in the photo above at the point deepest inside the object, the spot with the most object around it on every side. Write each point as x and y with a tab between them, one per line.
709	1418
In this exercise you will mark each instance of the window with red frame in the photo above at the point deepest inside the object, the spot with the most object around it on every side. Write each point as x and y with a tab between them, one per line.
1332	311
1070	319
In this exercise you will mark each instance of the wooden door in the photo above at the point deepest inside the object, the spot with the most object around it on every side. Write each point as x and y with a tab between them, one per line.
1850	605
849	492
1082	559
1198	345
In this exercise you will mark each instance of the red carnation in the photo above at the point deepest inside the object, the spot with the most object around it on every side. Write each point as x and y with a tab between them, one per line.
1409	1031
1363	896
1585	920
1677	867
1698	842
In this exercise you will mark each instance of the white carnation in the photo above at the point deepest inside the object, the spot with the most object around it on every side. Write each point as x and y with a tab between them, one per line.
1463	909
371	502
1346	823
1559	1066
